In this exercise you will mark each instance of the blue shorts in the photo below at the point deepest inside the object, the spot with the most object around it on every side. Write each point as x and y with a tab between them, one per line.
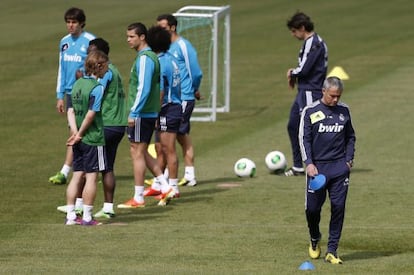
88	158
187	108
170	118
142	131
113	136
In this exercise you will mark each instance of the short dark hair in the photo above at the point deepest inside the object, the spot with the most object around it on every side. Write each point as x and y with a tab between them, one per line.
298	20
139	28
76	14
101	44
159	39
172	21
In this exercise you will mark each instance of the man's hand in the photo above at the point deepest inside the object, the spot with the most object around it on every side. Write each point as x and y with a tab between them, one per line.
291	81
311	170
60	106
73	139
78	74
131	122
197	95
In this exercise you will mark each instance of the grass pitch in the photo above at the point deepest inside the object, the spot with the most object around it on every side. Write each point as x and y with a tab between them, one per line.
225	225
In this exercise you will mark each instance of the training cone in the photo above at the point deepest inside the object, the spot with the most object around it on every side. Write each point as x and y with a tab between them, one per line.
317	182
306	266
338	72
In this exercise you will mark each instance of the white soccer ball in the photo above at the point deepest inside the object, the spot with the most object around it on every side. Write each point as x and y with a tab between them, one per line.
245	167
276	162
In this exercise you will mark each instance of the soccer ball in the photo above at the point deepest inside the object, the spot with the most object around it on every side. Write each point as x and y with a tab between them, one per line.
245	167
276	162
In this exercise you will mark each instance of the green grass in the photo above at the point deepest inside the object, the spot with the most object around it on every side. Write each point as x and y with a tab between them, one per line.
256	228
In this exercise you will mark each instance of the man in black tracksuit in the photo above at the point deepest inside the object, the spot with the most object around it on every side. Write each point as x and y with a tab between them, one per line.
327	142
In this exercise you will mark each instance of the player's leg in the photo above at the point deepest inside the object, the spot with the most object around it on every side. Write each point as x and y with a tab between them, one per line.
184	139
73	186
169	123
94	162
338	190
62	176
113	136
169	150
293	132
89	195
168	140
71	194
313	207
156	166
139	137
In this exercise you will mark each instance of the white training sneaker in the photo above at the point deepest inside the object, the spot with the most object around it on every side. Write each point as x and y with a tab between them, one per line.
62	209
187	182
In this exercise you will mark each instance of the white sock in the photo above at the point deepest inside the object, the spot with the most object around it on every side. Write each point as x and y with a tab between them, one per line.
161	179
108	207
139	194
163	184
65	170
87	212
174	184
70	212
156	184
189	173
79	203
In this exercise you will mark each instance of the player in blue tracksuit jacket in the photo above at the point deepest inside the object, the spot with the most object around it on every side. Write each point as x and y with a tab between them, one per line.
191	76
72	54
170	116
308	76
327	141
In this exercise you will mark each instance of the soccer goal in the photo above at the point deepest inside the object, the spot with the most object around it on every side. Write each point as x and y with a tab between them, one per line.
208	29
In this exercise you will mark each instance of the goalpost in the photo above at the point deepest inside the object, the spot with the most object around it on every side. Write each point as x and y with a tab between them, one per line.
208	29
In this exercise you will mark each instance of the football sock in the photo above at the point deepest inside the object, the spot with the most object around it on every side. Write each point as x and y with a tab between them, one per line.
189	172
161	179
65	170
87	212
174	184
70	212
139	194
108	207
79	203
156	184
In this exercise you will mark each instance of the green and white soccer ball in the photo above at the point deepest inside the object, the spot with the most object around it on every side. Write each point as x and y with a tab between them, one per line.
245	167
276	162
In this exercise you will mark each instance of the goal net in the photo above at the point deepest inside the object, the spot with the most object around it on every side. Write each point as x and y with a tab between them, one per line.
208	30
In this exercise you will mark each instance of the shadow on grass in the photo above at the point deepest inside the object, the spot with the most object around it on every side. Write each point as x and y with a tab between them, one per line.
220	180
152	211
139	214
